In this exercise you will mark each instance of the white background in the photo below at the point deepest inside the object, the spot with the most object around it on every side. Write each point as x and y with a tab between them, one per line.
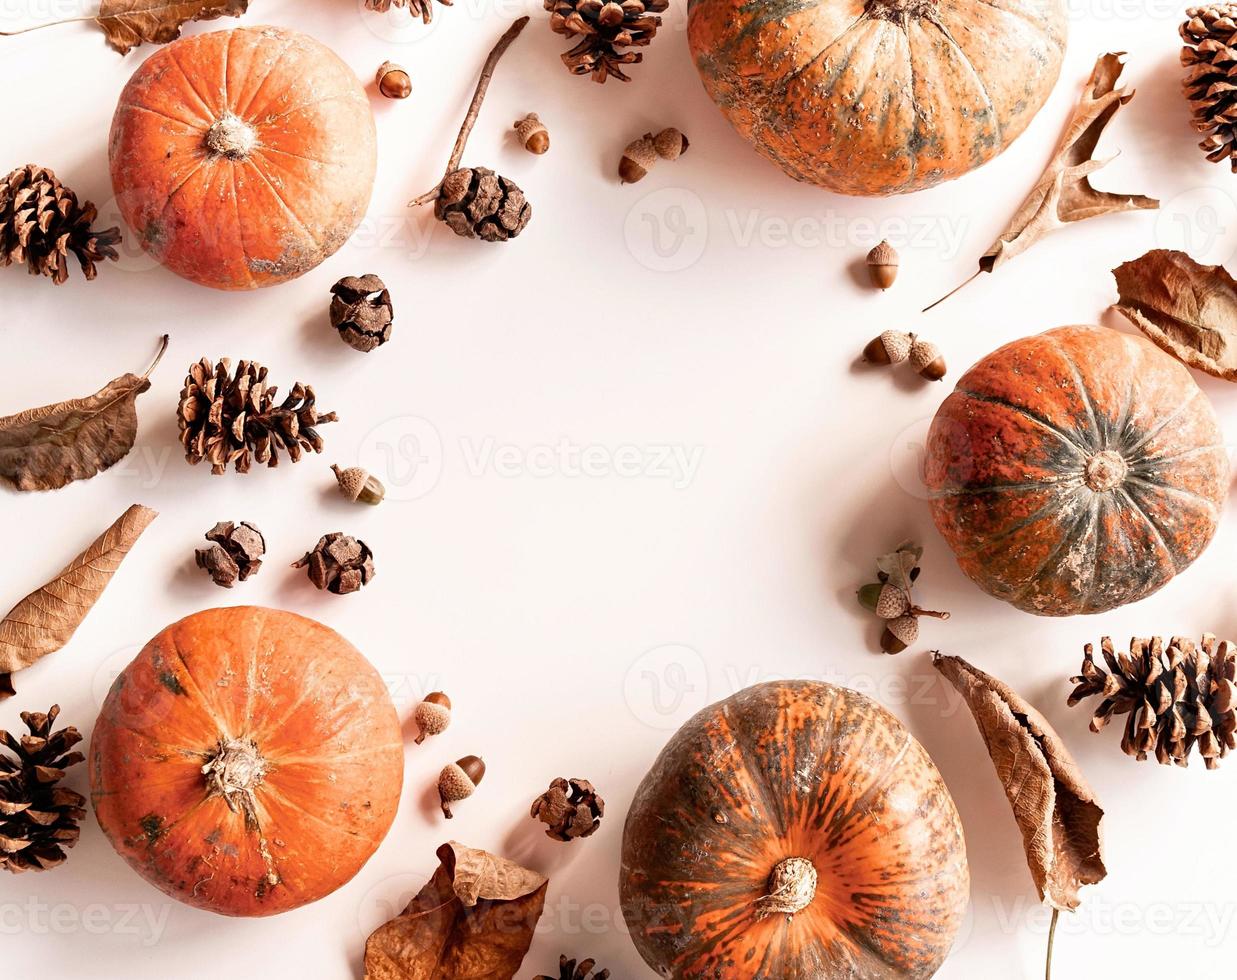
576	615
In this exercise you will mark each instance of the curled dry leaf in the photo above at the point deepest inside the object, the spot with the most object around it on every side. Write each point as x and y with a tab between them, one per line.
1188	309
1064	193
46	619
473	920
49	447
128	23
1054	807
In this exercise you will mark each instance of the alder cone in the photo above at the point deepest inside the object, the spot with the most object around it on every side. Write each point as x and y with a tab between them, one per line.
788	774
243	158
1076	471
301	748
876	97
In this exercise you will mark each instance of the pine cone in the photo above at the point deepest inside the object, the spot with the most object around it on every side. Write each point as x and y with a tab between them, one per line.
475	202
227	419
361	312
41	222
235	554
418	8
38	819
571	809
605	27
570	970
1210	59
338	563
1177	699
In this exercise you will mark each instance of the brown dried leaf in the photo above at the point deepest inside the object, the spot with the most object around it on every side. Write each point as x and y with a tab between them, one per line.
1188	309
473	920
46	619
1054	807
49	447
128	23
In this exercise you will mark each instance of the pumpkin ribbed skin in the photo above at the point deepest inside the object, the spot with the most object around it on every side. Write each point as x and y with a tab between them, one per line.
318	716
1076	471
243	158
876	97
793	770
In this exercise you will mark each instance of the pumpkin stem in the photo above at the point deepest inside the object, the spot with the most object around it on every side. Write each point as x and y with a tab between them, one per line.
1052	935
792	886
1106	471
234	772
231	137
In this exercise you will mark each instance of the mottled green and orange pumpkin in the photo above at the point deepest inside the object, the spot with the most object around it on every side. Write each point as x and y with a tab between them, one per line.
794	831
876	97
249	761
1076	471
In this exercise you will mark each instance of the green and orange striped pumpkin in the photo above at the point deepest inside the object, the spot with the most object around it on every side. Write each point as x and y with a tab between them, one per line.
794	831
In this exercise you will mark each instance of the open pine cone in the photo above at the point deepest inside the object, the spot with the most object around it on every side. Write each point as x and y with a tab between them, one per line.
418	8
475	202
604	28
41	222
38	818
571	970
1210	59
1176	699
230	418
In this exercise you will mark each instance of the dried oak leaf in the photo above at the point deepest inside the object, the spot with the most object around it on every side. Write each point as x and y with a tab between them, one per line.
1188	309
46	619
1054	807
473	920
128	23
49	447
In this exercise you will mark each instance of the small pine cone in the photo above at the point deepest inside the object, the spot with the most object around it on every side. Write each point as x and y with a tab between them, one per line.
235	554
232	418
605	27
570	809
1210	84
41	222
475	202
339	563
38	818
361	312
418	8
571	970
1176	700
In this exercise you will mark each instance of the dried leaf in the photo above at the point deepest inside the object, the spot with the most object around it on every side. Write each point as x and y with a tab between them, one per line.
128	23
1188	309
1064	193
899	566
49	447
46	619
1054	807
473	920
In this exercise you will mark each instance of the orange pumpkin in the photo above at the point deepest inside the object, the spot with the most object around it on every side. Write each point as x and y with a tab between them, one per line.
243	158
1076	471
878	97
249	761
794	831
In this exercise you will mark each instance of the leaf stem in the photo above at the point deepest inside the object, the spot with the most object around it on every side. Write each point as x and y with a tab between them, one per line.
50	23
1052	935
163	346
971	278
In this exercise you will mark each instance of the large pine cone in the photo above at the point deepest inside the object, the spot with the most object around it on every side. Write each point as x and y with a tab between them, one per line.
38	818
475	202
604	28
41	222
1210	59
230	419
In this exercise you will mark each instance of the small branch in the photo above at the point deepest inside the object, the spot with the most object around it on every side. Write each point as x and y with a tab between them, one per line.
972	278
50	23
474	107
163	346
1052	935
930	613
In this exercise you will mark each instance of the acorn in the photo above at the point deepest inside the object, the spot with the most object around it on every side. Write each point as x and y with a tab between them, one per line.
892	602
926	359
900	633
432	715
358	486
458	781
532	134
891	347
393	81
883	265
670	144
638	159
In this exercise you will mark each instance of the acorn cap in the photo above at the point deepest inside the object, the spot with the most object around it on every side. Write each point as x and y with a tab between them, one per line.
883	254
670	144
892	603
532	134
638	159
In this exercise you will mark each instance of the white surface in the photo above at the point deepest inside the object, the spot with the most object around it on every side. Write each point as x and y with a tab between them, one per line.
644	476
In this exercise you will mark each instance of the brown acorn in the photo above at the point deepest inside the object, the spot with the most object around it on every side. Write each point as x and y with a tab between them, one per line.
358	486
393	81
432	715
458	781
891	347
670	144
638	159
900	633
883	265
927	360
532	134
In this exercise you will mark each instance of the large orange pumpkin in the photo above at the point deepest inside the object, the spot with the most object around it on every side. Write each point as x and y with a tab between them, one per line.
878	97
249	761
243	158
1076	471
794	831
